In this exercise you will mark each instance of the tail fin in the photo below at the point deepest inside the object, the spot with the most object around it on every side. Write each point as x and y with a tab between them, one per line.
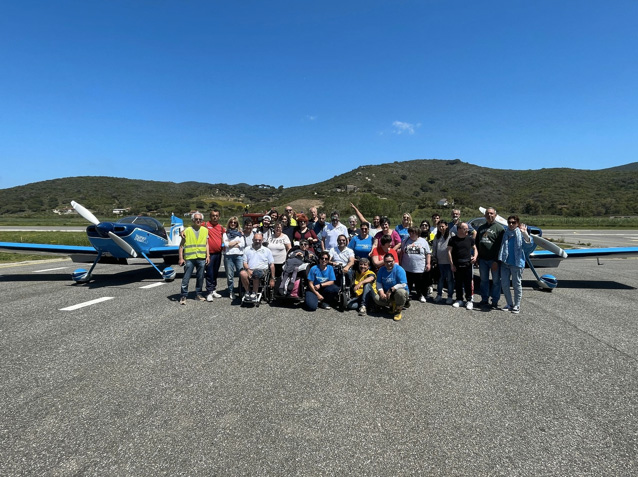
177	227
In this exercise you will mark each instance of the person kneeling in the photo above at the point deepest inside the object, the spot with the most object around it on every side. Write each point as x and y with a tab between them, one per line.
364	287
392	287
321	285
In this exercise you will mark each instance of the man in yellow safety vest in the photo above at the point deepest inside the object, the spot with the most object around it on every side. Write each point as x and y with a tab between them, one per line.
194	253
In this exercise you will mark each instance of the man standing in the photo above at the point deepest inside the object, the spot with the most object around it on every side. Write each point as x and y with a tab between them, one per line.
320	223
331	232
434	225
454	223
193	253
215	245
462	255
392	286
257	261
490	236
313	218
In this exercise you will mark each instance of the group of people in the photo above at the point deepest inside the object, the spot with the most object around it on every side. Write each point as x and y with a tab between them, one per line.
383	265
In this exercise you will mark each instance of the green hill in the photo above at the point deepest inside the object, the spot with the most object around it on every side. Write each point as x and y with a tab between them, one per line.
413	186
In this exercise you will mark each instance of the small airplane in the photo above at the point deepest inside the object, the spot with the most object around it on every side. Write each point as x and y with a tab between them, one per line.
552	254
129	237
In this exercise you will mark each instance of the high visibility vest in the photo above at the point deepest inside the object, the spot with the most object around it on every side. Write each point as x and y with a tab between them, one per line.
195	247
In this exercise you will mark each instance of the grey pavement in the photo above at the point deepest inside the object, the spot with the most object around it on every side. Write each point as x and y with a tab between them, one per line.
139	385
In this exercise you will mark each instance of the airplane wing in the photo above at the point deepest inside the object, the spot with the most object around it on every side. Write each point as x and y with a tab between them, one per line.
547	259
161	252
46	249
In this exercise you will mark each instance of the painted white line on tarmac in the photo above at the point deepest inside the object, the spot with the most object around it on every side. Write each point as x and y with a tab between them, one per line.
153	285
87	303
49	270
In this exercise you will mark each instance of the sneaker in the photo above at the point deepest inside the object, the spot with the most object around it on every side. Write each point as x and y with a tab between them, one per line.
494	306
457	304
516	310
209	297
253	296
422	299
362	310
215	294
325	306
430	290
182	300
201	298
507	308
449	301
438	299
397	317
469	305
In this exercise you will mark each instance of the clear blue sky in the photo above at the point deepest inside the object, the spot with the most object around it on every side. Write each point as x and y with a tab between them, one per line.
295	92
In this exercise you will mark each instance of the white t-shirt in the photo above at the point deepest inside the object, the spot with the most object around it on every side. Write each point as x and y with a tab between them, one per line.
277	246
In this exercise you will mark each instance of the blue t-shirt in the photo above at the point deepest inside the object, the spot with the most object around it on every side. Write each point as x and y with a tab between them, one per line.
317	276
402	231
387	280
361	247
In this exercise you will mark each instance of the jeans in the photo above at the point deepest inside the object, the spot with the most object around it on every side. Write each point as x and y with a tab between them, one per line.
485	267
445	276
517	279
363	299
212	271
330	294
199	264
232	264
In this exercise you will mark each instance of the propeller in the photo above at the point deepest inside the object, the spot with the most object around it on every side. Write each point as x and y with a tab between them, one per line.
86	213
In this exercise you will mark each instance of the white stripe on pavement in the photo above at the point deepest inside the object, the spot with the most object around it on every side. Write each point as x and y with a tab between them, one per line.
87	303
49	270
153	285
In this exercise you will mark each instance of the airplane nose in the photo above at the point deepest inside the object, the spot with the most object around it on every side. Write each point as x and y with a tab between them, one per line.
103	228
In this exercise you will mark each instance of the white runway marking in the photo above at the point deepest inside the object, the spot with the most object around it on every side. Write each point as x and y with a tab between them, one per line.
87	303
153	285
49	270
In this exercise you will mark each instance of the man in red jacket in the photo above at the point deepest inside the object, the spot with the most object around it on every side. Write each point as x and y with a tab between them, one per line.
215	234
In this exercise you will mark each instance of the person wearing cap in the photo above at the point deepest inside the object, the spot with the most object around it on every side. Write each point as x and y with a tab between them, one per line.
330	233
266	229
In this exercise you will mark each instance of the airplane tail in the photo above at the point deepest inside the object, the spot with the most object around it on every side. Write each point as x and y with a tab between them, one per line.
177	227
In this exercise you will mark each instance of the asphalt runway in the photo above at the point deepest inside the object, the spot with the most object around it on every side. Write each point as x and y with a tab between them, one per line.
139	385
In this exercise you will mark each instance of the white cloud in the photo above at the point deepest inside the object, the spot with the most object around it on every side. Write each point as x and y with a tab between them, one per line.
310	118
408	128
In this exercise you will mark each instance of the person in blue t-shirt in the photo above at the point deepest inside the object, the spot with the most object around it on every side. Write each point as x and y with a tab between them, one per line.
392	286
362	243
321	284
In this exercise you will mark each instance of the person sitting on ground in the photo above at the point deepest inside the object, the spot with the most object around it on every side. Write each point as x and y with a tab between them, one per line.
462	254
386	230
364	288
344	256
257	260
402	228
392	287
361	243
415	260
381	250
303	232
321	285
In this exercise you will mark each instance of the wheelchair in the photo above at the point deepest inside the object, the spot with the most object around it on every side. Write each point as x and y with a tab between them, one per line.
344	287
265	291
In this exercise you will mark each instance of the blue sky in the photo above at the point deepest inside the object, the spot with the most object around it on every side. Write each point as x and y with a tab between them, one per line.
295	92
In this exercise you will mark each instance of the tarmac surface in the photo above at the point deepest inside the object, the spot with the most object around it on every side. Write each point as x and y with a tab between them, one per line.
138	385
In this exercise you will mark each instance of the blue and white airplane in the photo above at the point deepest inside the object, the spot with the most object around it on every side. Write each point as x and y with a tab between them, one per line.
552	254
129	237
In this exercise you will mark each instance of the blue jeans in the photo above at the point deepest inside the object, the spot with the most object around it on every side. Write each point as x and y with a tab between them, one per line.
445	276
517	283
199	264
232	264
364	299
212	271
485	267
330	294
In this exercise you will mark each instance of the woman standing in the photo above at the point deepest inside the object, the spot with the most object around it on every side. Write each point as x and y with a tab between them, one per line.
515	245
234	244
361	244
402	228
288	229
415	260
303	232
442	259
386	230
279	245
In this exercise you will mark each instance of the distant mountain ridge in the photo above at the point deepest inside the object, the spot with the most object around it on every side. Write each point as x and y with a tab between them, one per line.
393	187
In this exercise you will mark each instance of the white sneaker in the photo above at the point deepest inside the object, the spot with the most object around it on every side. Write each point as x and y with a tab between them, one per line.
449	300
362	310
507	308
209	297
516	310
469	305
430	290
422	299
458	304
215	294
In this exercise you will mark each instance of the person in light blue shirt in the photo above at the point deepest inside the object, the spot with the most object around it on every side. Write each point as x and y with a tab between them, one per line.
515	245
361	244
321	284
392	286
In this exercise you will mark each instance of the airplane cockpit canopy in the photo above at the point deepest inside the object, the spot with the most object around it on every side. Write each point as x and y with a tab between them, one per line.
151	224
